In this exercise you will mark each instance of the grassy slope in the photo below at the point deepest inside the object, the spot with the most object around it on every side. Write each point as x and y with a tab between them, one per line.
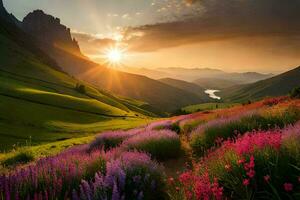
190	87
207	106
214	83
40	102
275	86
159	96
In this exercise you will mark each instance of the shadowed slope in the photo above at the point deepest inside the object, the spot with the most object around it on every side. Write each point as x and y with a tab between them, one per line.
161	96
42	104
275	86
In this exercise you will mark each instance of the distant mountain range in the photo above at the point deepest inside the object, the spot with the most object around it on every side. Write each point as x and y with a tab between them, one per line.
55	39
276	86
187	86
205	77
215	83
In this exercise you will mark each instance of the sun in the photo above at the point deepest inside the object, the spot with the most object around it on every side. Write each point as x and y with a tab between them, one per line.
114	55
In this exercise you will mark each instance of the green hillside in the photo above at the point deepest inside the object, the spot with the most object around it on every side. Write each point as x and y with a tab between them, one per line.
207	106
43	104
215	83
160	97
187	86
275	86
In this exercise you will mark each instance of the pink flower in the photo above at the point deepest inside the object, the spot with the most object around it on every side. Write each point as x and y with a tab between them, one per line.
288	187
241	161
267	178
251	173
246	182
251	163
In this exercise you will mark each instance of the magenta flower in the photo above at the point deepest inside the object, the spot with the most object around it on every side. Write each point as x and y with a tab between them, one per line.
246	182
267	178
288	187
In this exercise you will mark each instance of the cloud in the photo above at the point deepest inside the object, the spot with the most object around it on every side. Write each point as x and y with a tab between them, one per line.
220	20
190	1
92	44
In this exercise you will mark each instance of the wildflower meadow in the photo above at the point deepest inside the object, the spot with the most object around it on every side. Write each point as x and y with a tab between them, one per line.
244	152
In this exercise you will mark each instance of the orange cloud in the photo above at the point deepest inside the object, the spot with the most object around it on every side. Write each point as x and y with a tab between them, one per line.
92	44
220	20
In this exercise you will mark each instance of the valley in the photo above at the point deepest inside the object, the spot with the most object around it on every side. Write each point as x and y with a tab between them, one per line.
77	122
212	94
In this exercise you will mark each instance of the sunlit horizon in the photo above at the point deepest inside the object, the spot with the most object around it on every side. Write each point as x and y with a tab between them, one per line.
172	33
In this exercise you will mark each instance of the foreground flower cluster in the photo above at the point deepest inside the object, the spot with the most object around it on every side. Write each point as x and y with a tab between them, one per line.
259	164
132	176
111	167
244	152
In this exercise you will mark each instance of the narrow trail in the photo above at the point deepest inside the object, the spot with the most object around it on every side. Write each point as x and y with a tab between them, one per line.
174	167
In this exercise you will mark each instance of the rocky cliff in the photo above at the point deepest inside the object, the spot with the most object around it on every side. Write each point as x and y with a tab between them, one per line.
1	5
50	32
6	16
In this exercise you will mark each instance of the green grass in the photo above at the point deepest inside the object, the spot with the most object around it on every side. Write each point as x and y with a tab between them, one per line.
279	85
22	120
40	103
207	106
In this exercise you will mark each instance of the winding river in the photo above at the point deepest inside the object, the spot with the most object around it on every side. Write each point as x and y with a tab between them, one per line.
212	93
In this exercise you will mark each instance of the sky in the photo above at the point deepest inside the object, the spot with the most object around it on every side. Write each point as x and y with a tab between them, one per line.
232	35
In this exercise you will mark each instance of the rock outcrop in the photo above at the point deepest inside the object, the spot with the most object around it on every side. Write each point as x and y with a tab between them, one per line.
1	5
6	16
49	32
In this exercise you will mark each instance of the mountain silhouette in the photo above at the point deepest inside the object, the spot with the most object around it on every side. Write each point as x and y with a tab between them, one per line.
66	52
278	85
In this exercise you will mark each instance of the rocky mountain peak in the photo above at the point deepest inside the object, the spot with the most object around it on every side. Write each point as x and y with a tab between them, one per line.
3	11
50	32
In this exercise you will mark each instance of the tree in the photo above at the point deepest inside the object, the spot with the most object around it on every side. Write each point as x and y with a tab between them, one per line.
295	93
80	88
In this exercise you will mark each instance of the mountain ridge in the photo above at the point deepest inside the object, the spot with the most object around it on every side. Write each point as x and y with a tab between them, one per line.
48	29
193	74
158	95
191	87
41	102
278	85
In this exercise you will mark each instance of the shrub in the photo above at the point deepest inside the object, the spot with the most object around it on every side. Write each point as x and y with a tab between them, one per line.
80	88
212	133
179	112
258	165
22	157
161	144
176	128
132	176
273	101
295	93
159	125
112	139
189	126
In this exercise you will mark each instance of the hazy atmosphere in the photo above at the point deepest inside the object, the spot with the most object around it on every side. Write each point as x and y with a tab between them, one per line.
233	35
149	99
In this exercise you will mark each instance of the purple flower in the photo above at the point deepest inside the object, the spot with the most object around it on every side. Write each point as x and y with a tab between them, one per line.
112	139
140	196
115	193
136	179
